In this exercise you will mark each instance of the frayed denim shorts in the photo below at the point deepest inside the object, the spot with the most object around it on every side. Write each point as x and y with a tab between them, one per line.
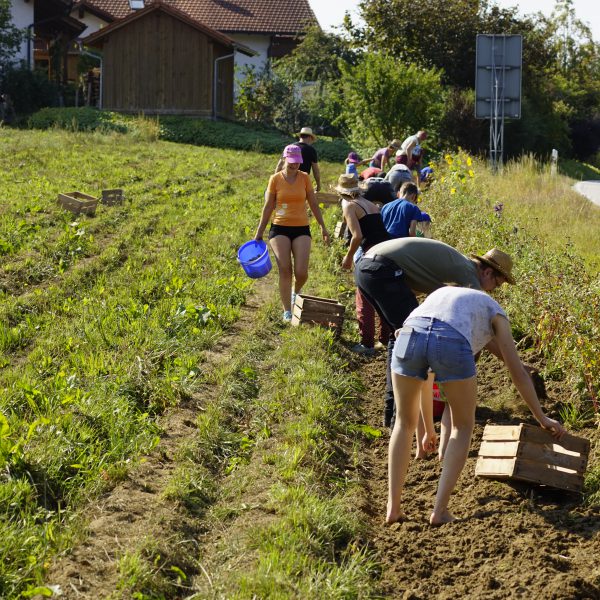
426	343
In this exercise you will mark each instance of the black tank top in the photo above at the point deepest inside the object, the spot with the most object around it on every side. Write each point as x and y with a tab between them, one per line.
372	229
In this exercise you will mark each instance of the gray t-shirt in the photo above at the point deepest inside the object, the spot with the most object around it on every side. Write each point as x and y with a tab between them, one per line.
470	312
429	264
398	175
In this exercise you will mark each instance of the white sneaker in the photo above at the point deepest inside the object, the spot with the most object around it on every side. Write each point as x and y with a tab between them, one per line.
287	316
366	351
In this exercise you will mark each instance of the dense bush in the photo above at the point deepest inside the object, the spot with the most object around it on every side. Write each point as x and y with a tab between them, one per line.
29	90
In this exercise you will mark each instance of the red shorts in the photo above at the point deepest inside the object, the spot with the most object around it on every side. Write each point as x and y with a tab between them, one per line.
402	159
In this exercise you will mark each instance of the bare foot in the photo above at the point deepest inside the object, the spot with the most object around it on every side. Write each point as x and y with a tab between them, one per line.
395	518
441	519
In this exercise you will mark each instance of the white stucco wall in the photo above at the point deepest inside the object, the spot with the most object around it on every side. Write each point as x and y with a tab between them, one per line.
22	16
259	43
93	23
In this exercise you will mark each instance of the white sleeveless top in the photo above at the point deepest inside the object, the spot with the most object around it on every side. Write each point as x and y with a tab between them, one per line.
468	311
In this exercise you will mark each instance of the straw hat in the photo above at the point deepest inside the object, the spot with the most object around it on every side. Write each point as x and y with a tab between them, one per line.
307	131
500	261
347	184
395	143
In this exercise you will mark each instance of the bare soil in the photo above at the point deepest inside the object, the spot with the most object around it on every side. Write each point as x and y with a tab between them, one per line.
513	540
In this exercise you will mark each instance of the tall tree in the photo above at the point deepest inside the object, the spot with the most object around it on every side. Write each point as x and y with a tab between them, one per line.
10	36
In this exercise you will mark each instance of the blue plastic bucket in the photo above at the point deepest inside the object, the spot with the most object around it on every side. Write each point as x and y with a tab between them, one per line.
254	258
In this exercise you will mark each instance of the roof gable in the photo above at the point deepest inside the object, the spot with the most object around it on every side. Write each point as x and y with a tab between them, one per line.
284	17
96	39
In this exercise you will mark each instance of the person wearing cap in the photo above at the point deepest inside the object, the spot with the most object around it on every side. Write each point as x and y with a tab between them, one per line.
390	274
351	161
383	157
405	153
443	334
310	159
289	236
366	227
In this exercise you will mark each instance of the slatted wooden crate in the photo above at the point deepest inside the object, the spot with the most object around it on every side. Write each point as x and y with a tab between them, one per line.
78	202
327	198
319	311
112	197
527	453
340	229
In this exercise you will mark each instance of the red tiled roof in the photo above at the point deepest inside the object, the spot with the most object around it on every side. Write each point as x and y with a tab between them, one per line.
99	35
234	16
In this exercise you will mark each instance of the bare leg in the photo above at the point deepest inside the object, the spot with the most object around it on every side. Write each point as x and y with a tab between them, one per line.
445	431
461	396
282	248
301	253
426	396
407	392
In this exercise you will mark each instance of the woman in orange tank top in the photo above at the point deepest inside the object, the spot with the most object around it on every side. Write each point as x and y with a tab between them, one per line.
286	196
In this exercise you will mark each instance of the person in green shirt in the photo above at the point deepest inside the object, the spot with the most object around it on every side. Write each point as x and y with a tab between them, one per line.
390	275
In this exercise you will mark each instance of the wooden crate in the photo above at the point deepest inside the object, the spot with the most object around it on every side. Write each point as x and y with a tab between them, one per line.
78	202
527	453
340	230
318	311
112	197
327	198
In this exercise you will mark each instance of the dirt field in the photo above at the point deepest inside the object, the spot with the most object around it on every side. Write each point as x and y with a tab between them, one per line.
512	541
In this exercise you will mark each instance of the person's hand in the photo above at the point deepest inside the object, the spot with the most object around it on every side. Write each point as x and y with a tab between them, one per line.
430	442
258	237
554	427
325	235
347	263
318	188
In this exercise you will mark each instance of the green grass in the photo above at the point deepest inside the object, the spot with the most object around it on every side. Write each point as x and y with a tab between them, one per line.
185	130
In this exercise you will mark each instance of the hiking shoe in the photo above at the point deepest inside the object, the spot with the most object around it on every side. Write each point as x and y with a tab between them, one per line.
364	350
287	316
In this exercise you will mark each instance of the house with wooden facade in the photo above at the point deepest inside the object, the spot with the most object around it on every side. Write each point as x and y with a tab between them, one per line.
158	60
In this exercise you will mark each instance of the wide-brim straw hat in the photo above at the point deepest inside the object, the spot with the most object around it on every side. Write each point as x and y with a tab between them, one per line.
500	261
395	143
347	184
307	131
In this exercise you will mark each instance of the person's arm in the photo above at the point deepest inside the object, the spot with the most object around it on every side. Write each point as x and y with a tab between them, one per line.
412	229
267	211
316	211
353	225
520	377
317	175
280	165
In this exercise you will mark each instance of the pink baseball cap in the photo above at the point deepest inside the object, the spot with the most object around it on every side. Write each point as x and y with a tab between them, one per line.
292	154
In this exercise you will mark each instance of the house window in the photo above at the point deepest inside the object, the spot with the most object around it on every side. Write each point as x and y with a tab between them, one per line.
136	4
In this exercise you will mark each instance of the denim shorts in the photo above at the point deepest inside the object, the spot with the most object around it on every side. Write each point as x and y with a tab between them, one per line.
425	343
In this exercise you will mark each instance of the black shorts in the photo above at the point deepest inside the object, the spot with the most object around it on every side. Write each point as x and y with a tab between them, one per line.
289	231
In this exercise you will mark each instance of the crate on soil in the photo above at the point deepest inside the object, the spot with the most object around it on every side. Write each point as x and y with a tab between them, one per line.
340	229
78	202
327	198
319	311
112	197
527	453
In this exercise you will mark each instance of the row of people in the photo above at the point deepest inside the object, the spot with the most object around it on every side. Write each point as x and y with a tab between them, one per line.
442	334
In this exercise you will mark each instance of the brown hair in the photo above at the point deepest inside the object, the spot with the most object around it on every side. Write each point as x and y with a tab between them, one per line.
408	188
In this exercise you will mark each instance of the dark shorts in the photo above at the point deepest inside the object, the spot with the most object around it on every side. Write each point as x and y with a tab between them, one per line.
289	231
402	159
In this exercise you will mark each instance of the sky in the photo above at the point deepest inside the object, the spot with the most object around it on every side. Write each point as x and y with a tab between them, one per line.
330	13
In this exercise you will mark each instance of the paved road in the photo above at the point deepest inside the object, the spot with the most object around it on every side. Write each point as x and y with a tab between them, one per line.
589	189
